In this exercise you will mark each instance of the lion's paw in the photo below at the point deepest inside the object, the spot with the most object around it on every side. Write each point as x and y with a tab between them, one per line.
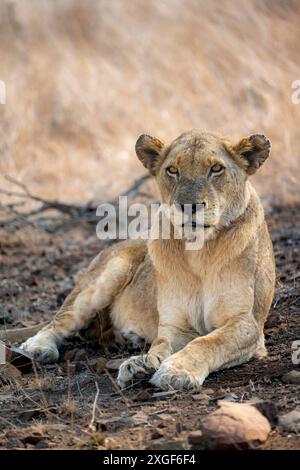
176	377
41	348
137	367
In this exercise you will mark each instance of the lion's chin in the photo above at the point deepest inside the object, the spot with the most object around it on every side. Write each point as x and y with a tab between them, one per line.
196	239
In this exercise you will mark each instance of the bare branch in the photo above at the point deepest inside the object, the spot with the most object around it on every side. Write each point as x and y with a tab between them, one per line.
91	425
84	213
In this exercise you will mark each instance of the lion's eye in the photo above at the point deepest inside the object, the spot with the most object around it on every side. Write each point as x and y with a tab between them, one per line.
217	168
172	171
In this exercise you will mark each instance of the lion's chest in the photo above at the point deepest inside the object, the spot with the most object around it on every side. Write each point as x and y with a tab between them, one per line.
207	297
195	293
210	302
200	308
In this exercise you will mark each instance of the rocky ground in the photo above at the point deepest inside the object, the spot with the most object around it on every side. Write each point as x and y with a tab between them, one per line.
76	403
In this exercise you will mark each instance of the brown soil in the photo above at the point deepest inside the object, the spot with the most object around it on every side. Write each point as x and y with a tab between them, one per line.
52	406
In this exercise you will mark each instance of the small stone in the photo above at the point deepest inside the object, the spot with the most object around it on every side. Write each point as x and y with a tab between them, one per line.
290	421
115	364
292	377
42	445
113	424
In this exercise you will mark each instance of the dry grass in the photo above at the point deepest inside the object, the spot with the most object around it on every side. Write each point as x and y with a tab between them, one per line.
85	78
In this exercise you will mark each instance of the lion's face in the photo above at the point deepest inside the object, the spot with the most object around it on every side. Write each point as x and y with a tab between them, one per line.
206	171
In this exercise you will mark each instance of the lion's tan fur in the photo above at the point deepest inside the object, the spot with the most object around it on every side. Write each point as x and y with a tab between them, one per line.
200	310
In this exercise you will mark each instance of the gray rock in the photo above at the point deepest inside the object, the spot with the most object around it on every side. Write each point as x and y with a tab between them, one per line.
290	421
292	377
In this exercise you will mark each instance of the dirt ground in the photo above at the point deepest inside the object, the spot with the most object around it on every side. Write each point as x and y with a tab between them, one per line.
75	407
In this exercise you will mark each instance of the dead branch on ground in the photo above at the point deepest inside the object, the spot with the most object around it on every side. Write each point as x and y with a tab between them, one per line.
72	214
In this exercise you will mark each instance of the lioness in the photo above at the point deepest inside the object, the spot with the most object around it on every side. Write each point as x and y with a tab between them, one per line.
201	310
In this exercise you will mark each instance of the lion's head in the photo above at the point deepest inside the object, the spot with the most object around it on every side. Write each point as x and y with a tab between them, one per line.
205	170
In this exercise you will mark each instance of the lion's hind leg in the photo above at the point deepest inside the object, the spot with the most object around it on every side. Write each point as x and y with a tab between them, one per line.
80	307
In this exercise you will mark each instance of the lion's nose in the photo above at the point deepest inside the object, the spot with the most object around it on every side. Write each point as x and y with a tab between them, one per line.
199	206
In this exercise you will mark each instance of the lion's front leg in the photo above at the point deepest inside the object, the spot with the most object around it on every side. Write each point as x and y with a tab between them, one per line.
92	294
169	340
232	344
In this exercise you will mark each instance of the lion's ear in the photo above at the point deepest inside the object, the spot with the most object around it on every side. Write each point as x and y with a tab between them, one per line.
148	150
253	151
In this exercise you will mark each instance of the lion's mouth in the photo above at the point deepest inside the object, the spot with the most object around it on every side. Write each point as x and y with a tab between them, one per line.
194	224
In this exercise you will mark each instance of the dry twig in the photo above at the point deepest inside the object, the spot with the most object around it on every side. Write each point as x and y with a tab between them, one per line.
76	213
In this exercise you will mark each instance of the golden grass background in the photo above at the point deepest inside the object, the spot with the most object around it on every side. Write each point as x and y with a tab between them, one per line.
85	78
